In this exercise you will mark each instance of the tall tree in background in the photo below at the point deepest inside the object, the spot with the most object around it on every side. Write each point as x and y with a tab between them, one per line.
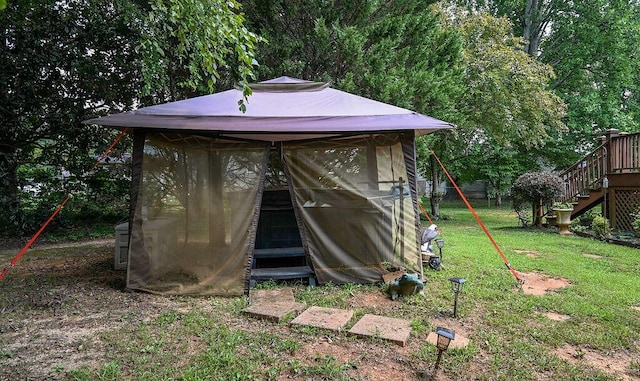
62	63
395	51
506	110
592	46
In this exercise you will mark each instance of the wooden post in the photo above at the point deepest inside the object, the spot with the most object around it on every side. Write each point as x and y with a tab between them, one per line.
611	150
606	139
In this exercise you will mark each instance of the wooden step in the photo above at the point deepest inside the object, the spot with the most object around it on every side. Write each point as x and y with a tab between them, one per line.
295	272
279	252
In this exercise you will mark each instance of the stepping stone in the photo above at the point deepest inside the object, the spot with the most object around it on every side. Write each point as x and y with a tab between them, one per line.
273	304
392	329
327	318
458	342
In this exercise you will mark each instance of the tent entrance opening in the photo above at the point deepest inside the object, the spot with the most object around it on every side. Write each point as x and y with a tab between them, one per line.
278	252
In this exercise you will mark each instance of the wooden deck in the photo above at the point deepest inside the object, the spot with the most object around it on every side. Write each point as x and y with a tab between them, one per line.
608	177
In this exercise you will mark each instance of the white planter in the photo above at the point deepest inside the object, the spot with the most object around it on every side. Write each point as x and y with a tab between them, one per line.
563	220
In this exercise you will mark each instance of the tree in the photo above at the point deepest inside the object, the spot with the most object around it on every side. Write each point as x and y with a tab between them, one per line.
396	52
62	63
536	189
188	45
506	95
507	111
593	49
498	164
592	46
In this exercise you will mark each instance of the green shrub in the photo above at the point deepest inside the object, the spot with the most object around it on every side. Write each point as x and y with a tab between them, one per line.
601	228
536	189
635	224
587	218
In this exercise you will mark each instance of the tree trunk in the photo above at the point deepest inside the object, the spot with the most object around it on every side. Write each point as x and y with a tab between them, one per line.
435	198
532	30
537	214
498	200
9	202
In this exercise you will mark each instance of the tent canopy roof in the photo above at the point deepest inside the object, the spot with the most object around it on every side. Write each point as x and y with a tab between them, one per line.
279	109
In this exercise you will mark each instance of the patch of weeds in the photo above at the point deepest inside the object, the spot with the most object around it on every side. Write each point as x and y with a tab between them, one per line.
454	360
167	318
634	368
286	319
324	296
237	304
153	347
459	357
425	353
109	372
80	374
351	288
196	323
326	367
6	354
533	359
268	284
331	295
235	355
358	313
419	327
287	345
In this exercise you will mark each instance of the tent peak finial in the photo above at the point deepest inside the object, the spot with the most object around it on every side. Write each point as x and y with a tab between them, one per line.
287	85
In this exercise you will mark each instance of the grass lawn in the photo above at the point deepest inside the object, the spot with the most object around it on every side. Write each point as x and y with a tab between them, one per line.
601	302
513	335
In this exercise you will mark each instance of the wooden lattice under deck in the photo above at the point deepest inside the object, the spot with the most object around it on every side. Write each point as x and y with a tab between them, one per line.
627	201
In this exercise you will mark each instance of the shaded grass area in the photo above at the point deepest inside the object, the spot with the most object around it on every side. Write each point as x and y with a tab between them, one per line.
209	338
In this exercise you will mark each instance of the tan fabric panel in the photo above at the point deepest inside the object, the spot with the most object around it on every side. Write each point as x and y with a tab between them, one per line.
354	223
195	216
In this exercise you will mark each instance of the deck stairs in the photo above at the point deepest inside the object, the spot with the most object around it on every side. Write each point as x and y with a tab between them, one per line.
609	177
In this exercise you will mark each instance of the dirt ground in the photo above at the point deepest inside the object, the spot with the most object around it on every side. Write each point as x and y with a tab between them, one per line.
53	309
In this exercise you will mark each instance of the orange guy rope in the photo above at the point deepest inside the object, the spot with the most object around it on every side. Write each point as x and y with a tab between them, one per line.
425	213
58	209
484	228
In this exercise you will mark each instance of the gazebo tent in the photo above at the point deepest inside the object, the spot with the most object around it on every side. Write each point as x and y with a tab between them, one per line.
306	166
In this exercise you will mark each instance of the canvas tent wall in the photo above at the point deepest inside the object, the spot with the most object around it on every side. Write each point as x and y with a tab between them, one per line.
201	168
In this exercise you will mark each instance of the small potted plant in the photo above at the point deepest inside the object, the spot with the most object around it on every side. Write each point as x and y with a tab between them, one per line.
563	212
635	224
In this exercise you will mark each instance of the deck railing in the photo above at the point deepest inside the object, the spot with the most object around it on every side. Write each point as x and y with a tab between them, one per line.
625	153
585	174
618	153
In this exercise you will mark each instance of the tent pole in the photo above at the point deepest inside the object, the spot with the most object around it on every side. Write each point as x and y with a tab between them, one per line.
216	208
401	218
